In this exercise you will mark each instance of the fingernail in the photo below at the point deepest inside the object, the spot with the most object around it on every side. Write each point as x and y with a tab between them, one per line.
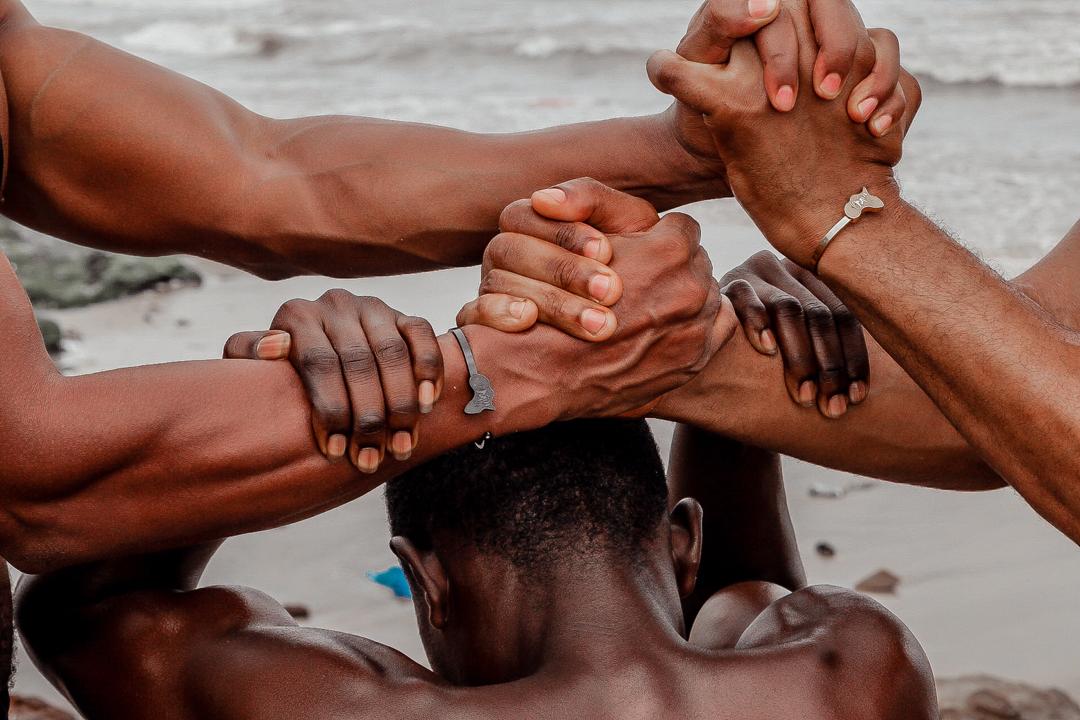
426	396
867	106
837	405
830	86
593	320
517	309
600	286
882	124
857	392
785	98
807	393
592	248
401	445
336	445
273	347
555	195
768	342
367	461
761	8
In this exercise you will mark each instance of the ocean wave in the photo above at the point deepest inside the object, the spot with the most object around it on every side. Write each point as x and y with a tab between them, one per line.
989	57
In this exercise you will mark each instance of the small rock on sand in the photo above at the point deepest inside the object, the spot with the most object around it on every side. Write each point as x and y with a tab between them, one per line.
298	612
825	550
982	697
882	582
28	708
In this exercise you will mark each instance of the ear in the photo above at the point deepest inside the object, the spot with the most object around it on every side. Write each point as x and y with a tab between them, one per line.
427	575
686	539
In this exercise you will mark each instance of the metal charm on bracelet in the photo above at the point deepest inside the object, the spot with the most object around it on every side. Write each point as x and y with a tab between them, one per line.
856	206
483	393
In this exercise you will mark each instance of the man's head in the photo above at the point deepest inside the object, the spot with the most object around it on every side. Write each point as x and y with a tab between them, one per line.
488	536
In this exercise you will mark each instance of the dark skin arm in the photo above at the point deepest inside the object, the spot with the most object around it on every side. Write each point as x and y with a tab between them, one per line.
100	630
228	443
897	433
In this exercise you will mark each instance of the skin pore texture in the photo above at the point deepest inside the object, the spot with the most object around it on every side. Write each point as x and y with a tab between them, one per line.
600	637
1002	369
110	165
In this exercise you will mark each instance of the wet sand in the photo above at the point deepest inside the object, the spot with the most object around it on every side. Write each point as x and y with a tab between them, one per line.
985	584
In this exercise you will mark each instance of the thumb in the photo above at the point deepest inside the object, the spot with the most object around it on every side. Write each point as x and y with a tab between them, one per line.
262	345
720	23
593	203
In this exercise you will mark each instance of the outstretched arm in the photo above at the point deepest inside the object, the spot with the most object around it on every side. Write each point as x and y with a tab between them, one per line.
179	454
108	150
996	364
896	433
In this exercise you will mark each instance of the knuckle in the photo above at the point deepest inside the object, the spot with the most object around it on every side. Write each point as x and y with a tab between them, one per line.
357	361
843	316
292	309
817	314
391	350
739	288
564	271
762	261
412	323
337	296
841	52
567	236
556	305
318	361
333	415
403	408
787	307
428	359
502	250
832	376
492	284
884	35
513	214
370	422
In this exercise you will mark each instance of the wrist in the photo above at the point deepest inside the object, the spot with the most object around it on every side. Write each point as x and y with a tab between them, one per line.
861	243
685	175
796	226
524	399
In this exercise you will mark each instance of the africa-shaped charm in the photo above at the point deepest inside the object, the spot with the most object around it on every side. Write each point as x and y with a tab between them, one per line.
862	202
483	395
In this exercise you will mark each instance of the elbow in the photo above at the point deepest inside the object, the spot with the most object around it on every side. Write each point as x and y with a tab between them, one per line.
31	539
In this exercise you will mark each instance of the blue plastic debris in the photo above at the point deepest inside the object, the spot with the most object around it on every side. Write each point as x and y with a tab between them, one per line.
393	578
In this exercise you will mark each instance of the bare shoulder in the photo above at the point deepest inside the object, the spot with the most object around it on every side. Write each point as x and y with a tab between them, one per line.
861	658
230	652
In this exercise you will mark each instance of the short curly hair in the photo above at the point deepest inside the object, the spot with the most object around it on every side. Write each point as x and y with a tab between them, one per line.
584	486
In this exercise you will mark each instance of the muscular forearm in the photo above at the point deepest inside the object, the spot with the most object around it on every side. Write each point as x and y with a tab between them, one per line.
897	434
181	454
109	150
999	367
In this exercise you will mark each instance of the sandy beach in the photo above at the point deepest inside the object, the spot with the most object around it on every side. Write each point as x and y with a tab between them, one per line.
985	584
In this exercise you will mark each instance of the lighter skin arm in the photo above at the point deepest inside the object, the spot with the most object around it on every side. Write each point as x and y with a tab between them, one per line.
999	366
150	162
